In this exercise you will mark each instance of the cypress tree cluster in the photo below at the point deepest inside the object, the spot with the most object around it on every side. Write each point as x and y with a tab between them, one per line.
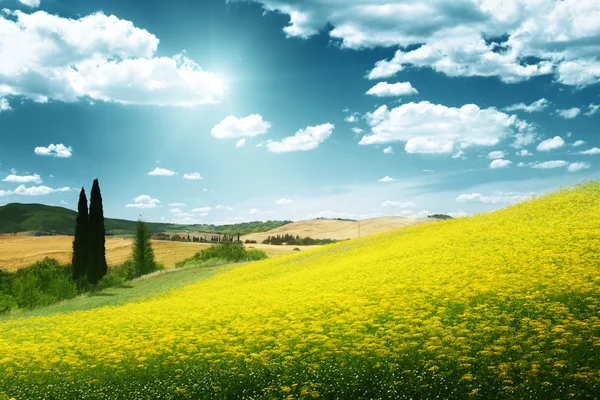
89	257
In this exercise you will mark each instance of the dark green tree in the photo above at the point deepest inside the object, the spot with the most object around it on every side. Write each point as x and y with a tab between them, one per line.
80	262
98	265
143	255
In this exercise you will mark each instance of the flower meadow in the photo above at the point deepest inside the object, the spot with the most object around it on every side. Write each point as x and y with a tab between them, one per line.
501	305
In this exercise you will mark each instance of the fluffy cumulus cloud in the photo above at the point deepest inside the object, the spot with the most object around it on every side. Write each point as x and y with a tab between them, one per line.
223	208
31	3
496	154
513	40
144	201
240	143
592	109
498	197
54	150
233	127
4	105
48	57
500	163
578	166
352	117
202	209
161	172
591	152
193	176
536	106
578	143
569	113
176	205
284	201
305	139
23	190
384	89
14	178
524	153
551	144
435	128
388	150
550	164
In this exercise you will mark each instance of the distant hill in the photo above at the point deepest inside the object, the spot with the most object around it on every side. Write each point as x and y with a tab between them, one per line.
17	217
338	229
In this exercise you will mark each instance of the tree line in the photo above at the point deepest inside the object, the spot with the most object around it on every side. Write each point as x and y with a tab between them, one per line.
296	240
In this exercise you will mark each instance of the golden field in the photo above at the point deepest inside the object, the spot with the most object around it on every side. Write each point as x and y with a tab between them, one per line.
499	305
339	230
19	251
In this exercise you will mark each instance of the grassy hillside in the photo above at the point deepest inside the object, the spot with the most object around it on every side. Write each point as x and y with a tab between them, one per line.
17	217
500	305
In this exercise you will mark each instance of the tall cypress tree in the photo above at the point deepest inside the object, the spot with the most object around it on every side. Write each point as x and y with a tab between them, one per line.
143	255
98	265
81	243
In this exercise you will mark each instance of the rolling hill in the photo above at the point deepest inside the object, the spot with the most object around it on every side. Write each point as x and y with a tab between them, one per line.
338	229
18	217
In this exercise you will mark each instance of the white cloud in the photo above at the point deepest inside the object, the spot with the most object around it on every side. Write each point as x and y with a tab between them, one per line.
161	172
352	117
578	143
383	89
305	139
33	191
176	205
253	211
357	131
35	178
284	201
175	211
496	154
202	209
194	176
591	152
499	163
427	146
542	37
388	150
55	150
31	3
223	208
386	179
524	153
233	127
459	154
4	105
64	203
569	113
550	164
551	144
499	197
240	143
398	204
435	128
574	167
592	109
536	106
96	57
144	201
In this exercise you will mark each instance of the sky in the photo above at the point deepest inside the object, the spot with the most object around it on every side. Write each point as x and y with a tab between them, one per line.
220	111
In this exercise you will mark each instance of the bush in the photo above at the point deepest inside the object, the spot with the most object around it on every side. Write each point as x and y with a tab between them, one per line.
118	275
42	283
7	303
227	251
296	249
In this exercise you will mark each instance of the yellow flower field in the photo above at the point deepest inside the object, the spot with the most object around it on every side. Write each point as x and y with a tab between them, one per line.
499	305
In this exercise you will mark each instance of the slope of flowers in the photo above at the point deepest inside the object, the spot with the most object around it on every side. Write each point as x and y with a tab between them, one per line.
499	305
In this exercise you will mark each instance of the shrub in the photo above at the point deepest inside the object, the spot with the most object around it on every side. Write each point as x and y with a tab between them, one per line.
7	303
227	251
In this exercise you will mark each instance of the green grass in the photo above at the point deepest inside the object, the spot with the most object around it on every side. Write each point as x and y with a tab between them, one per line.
132	291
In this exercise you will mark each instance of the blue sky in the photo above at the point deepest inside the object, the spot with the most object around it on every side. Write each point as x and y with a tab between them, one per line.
226	111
